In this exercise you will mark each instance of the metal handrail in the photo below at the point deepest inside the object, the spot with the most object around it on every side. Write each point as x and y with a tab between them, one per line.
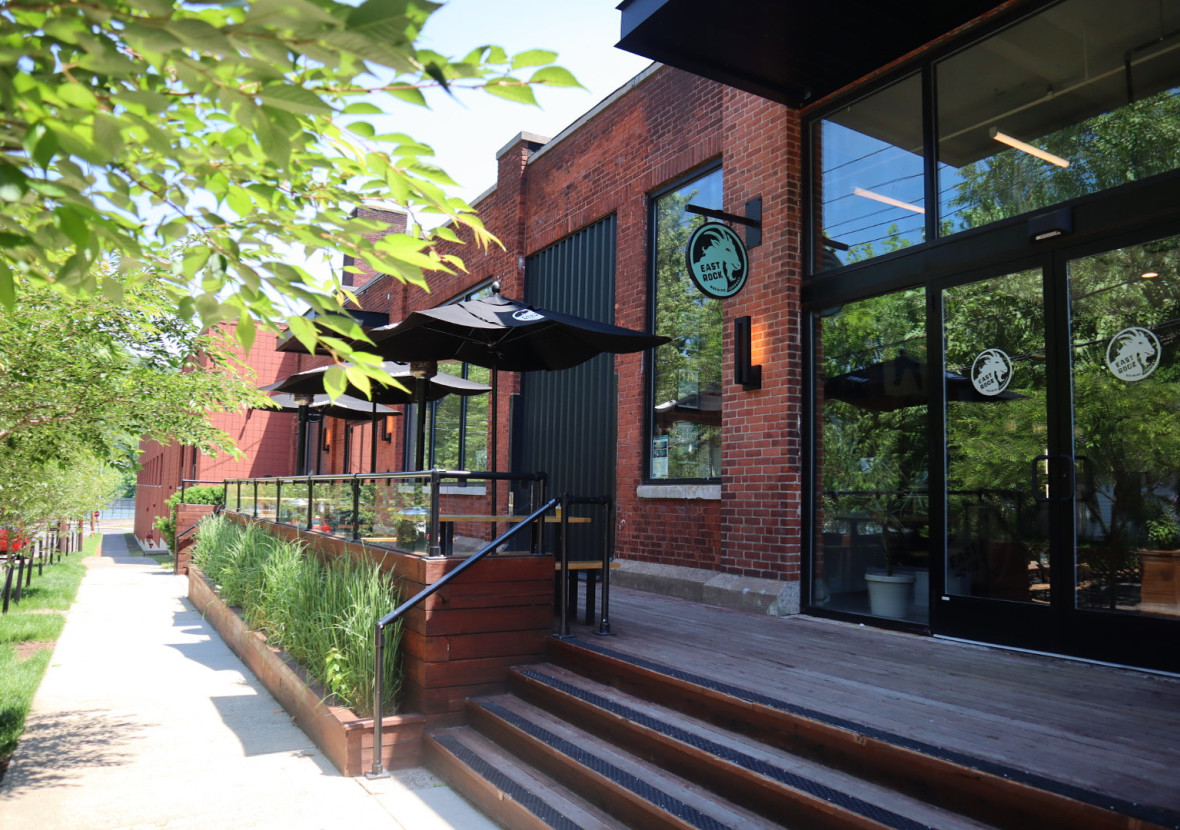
396	614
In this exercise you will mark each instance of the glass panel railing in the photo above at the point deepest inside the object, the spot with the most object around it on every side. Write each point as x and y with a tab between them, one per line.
292	508
268	495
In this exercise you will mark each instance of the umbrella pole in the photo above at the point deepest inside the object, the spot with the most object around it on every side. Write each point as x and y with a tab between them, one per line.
373	464
420	400
495	434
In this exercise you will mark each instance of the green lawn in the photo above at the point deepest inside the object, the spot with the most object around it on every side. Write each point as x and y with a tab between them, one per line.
27	633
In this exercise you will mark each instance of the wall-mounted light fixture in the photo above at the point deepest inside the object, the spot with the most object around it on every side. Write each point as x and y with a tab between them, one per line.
1048	225
387	428
748	375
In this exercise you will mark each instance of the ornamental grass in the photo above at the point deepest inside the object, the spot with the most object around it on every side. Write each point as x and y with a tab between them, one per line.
321	613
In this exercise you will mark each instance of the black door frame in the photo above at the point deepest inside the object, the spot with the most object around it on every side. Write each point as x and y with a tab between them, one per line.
1126	216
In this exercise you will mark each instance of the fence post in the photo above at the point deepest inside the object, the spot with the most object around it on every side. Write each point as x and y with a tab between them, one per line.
356	508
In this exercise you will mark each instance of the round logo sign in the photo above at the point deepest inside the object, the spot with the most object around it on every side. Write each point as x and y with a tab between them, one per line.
717	261
527	315
1133	353
991	372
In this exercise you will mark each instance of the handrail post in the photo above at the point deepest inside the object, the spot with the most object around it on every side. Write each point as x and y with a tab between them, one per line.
310	500
604	620
279	501
255	498
356	508
564	581
434	547
378	768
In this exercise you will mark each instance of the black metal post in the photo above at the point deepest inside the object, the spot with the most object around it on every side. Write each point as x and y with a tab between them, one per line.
356	508
434	548
255	498
564	581
310	501
301	448
378	768
279	501
604	620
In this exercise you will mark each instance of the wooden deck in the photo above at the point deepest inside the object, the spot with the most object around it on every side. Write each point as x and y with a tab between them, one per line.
1102	730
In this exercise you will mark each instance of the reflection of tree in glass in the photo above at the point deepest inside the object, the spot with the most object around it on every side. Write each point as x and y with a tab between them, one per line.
687	375
1105	151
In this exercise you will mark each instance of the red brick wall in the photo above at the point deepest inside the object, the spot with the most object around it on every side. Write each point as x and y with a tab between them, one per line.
665	126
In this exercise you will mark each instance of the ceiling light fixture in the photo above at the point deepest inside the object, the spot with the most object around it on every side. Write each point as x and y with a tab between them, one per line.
877	197
1003	138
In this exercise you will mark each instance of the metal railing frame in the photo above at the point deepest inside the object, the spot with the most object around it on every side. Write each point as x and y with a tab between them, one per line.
378	770
436	478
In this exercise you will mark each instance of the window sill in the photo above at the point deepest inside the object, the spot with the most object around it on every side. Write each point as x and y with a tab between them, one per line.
708	492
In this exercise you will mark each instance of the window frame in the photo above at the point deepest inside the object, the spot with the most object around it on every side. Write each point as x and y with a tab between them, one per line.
653	197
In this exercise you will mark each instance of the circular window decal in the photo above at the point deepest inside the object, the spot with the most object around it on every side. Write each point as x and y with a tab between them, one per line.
717	261
991	372
1133	354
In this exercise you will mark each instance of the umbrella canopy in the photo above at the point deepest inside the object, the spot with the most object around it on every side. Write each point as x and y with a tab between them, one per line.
346	407
311	382
501	333
899	383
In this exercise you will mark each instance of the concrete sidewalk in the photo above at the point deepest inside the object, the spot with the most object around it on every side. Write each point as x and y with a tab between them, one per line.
145	718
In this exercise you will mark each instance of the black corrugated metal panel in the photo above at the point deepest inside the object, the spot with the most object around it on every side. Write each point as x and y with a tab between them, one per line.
565	422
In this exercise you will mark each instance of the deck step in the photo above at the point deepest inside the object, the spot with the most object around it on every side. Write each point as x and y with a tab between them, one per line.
513	793
786	788
983	790
635	792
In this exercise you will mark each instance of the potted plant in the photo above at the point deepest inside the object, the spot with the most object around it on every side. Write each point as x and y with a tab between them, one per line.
889	590
1160	560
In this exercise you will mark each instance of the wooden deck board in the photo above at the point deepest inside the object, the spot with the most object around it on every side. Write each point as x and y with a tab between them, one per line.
1109	730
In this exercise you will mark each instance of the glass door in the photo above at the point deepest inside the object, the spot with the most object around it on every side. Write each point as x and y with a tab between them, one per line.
1125	337
999	502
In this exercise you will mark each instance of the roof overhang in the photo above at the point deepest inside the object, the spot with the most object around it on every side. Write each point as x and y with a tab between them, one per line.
791	51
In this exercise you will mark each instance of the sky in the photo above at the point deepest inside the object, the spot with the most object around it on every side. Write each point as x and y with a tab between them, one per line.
466	132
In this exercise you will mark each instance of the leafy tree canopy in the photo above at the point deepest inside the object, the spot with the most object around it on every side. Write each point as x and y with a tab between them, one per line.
222	145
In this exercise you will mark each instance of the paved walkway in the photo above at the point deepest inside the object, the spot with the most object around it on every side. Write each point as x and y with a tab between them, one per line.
145	718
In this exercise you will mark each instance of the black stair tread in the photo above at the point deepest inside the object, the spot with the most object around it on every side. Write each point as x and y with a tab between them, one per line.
690	803
785	769
535	792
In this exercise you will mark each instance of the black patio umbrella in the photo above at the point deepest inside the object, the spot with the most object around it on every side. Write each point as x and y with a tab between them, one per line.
503	334
311	382
344	407
902	382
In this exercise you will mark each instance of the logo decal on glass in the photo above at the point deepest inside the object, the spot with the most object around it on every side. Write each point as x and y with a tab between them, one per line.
717	261
991	372
1133	354
527	315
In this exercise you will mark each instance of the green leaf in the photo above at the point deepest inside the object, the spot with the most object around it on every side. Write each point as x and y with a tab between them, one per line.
245	332
534	57
197	34
7	285
41	145
77	95
363	108
555	76
335	381
513	90
411	95
73	226
13	183
294	99
304	332
362	128
359	379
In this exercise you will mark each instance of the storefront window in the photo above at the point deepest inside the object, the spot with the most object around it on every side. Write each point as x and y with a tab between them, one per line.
873	546
1072	101
869	158
686	379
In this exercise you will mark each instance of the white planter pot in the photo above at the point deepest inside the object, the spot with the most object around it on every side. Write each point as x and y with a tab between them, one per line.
889	594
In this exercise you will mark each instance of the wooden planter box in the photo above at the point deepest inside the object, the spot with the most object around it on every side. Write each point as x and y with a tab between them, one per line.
1161	581
344	737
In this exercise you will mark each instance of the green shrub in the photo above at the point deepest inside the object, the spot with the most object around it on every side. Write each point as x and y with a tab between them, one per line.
197	494
322	614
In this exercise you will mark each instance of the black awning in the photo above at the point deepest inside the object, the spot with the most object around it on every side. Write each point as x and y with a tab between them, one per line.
790	51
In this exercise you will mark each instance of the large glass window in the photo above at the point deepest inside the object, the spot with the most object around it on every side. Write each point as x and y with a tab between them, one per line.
686	380
869	161
1075	100
873	546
